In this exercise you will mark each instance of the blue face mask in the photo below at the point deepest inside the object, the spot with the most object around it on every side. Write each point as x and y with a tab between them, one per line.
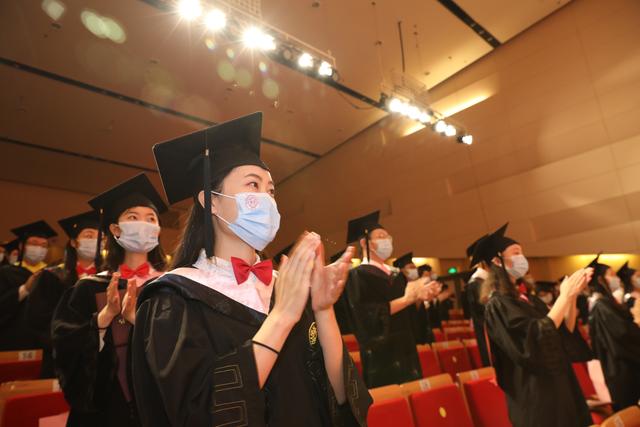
258	218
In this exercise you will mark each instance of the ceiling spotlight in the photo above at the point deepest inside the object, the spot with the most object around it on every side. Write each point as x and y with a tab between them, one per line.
189	9
215	20
424	117
395	105
325	69
305	60
466	139
413	112
450	130
440	126
255	38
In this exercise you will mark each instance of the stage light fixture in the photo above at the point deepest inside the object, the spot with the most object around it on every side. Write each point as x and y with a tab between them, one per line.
325	69
450	130
255	38
440	126
413	112
424	117
215	20
395	105
305	60
466	139
190	9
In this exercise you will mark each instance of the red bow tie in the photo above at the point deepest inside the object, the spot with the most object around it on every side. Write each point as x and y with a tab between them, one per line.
81	271
263	270
128	273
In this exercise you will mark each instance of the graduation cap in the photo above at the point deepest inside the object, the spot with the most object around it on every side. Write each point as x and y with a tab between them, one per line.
491	246
545	286
190	163
598	268
362	227
472	247
278	257
11	246
423	268
626	272
73	225
35	229
137	191
403	260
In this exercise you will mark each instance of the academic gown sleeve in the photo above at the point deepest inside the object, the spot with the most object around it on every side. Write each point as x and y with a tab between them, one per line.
40	305
176	368
369	305
75	341
9	303
615	331
527	338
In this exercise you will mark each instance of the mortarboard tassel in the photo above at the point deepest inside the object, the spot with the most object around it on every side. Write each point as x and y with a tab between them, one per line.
97	261
208	224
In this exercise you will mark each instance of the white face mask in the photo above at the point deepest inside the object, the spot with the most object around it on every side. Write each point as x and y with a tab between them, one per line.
635	281
614	283
547	299
519	266
87	248
138	236
412	273
34	254
384	247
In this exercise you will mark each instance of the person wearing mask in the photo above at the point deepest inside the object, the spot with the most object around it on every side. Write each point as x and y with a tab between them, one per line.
476	305
80	256
91	324
615	338
17	281
532	366
432	306
544	291
380	315
631	282
222	339
420	327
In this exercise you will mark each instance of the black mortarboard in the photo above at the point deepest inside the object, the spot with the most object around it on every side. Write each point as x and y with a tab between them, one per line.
625	271
278	257
190	163
73	225
423	268
472	247
598	268
11	246
491	245
37	229
403	260
362	227
545	286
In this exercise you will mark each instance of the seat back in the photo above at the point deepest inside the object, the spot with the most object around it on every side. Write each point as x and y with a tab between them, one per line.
394	412
351	342
12	370
446	344
435	381
437	334
487	403
442	407
387	392
582	375
428	361
21	355
453	360
629	417
476	374
355	356
474	353
25	410
456	314
14	388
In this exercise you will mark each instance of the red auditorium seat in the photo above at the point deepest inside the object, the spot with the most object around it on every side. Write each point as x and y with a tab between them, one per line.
428	362
453	358
351	342
438	335
355	355
19	370
393	412
487	403
582	374
474	352
456	314
442	407
25	410
455	333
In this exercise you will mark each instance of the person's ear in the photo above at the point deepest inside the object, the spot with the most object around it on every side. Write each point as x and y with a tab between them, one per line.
214	208
115	230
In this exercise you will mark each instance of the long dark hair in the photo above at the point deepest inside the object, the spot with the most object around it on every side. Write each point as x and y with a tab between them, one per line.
191	239
498	281
115	252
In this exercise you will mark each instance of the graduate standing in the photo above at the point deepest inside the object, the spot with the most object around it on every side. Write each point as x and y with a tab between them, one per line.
531	363
80	256
615	338
380	313
222	340
631	282
91	324
476	305
417	312
17	281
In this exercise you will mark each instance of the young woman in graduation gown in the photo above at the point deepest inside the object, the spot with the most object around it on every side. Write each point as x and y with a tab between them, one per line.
17	282
380	309
531	361
79	262
221	340
92	323
615	339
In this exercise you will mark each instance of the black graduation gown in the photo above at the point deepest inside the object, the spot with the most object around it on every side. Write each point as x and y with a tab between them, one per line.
476	312
13	333
615	339
40	304
343	318
582	303
387	346
420	326
88	376
193	365
532	366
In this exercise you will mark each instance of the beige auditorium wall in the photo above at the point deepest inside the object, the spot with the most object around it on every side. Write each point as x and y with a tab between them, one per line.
556	153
